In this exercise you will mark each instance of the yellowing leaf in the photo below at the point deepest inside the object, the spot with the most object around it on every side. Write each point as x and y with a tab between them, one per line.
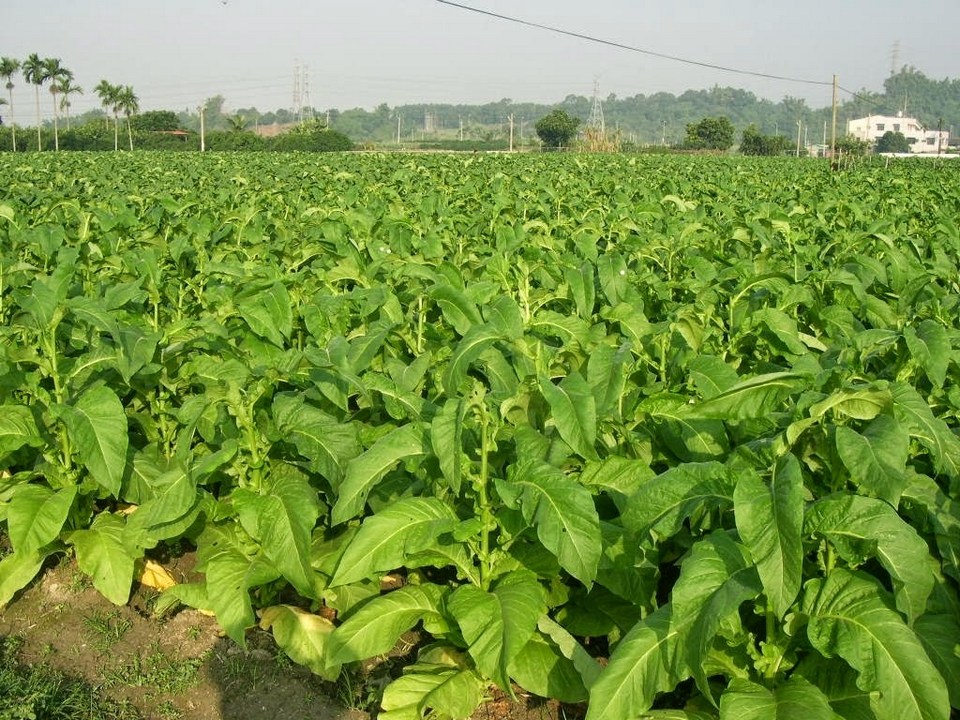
156	576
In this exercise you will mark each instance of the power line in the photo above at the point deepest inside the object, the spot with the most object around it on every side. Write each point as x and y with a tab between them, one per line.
632	48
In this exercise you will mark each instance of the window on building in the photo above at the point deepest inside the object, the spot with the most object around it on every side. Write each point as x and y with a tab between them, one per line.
896	127
880	127
931	141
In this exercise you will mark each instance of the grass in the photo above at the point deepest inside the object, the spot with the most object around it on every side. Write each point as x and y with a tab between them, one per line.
38	691
106	628
156	671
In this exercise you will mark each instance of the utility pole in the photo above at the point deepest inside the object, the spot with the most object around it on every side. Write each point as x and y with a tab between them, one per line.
799	128
939	137
833	131
399	117
203	146
461	128
511	132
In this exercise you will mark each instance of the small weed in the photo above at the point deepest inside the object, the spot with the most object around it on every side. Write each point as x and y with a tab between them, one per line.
194	632
242	671
79	581
157	671
106	628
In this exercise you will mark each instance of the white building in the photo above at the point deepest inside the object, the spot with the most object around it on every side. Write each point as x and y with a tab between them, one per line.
873	127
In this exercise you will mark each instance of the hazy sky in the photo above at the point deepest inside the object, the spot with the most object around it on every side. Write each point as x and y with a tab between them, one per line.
175	53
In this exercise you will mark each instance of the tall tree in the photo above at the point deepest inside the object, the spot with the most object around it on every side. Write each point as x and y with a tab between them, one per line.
54	71
129	103
66	88
8	67
34	72
108	95
557	128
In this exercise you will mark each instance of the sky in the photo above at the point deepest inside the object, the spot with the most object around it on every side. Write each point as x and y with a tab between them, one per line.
176	53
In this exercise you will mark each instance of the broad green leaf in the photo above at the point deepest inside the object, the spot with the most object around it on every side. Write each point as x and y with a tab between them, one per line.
498	624
470	348
940	636
564	515
607	376
376	626
16	571
570	329
504	314
796	699
17	428
838	682
860	527
103	554
711	375
582	287
426	689
176	494
325	441
268	312
37	515
647	661
690	438
756	397
365	348
715	579
782	330
446	439
136	349
568	646
877	457
850	617
288	514
573	410
915	414
381	543
617	475
663	504
541	669
929	345
458	310
97	426
862	404
367	469
303	636
231	570
769	520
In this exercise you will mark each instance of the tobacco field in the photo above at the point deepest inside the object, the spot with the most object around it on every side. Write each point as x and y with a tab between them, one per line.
665	437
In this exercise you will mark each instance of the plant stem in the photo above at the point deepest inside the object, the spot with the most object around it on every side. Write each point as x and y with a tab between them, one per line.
486	516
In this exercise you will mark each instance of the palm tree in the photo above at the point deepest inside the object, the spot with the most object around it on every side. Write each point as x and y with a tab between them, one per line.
34	72
54	71
66	88
129	103
237	123
108	98
9	66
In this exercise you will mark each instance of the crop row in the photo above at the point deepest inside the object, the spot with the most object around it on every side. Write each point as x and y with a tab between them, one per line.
658	433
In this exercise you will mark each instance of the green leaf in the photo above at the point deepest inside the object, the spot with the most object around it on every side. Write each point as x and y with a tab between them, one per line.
457	309
498	624
541	669
176	494
367	469
796	699
446	439
860	527
381	542
568	646
930	346
426	689
288	514
17	428
376	626
940	636
97	425
915	414
648	661
470	348
102	553
849	617
770	523
715	579
573	410
670	498
327	443
862	404
877	458
16	571
711	375
37	515
756	397
231	571
303	636
564	515
268	312
838	682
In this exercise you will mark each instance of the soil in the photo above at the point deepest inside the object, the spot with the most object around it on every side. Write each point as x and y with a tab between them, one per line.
179	667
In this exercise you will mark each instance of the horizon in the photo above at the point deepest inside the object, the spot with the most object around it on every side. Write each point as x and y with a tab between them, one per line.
429	53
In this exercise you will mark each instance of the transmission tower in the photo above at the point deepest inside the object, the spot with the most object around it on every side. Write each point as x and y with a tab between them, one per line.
895	58
595	121
297	97
305	106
